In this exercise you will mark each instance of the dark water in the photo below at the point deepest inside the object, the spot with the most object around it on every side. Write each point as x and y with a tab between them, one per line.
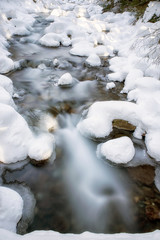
77	192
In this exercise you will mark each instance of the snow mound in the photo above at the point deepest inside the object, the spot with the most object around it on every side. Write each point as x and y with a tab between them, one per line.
11	207
16	136
82	48
7	84
119	150
5	97
98	122
110	85
41	147
66	80
50	40
6	64
93	60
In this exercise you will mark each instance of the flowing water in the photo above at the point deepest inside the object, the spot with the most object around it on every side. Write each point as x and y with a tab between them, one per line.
77	192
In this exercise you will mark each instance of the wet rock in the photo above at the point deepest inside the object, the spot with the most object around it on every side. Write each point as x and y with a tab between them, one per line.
152	211
122	124
39	163
144	174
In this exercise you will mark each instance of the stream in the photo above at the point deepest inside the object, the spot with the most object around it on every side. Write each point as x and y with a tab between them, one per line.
77	191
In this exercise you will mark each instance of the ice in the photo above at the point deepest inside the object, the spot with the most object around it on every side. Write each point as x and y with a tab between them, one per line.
11	207
119	150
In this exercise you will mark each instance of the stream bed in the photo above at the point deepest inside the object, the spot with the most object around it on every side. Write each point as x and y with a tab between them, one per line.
76	192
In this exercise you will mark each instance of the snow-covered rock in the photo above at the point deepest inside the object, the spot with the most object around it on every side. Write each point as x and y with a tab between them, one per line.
66	80
119	150
50	40
7	84
5	97
16	136
41	147
93	60
110	85
11	208
98	122
6	64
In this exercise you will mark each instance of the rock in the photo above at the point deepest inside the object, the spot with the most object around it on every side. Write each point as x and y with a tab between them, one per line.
144	174
152	211
122	124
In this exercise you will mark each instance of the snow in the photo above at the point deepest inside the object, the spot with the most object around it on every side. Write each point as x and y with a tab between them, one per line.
7	84
110	85
93	60
50	235
91	34
119	150
6	64
15	133
11	207
41	147
98	122
66	80
152	9
54	40
6	98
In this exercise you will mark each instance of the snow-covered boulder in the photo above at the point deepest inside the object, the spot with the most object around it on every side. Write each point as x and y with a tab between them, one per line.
7	84
17	141
6	64
50	40
41	147
94	60
119	150
98	122
110	85
6	98
11	208
66	80
54	40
